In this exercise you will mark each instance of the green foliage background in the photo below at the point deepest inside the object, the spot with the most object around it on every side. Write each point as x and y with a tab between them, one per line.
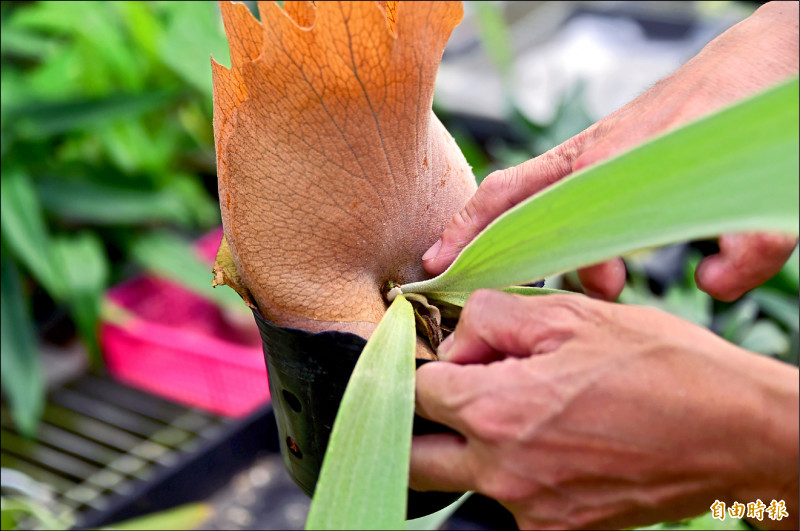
107	163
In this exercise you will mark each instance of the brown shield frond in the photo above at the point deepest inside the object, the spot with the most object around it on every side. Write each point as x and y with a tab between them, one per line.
334	173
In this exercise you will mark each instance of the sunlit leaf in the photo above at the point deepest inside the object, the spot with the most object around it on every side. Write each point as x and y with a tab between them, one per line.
735	170
364	478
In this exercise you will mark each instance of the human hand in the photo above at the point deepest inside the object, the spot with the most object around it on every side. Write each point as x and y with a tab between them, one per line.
754	54
577	413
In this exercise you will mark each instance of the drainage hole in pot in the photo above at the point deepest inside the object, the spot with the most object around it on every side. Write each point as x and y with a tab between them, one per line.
292	400
292	445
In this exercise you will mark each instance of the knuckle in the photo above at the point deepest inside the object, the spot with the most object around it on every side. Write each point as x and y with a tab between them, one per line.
572	311
487	428
503	485
478	303
773	244
493	183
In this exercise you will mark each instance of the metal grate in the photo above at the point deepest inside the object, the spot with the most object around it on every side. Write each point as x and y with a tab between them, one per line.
99	439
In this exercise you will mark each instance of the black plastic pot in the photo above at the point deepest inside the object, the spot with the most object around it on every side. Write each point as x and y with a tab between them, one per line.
308	374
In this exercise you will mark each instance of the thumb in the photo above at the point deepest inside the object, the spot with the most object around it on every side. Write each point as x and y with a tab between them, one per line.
497	193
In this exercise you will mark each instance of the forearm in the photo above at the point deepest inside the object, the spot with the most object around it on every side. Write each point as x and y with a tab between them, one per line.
758	52
769	445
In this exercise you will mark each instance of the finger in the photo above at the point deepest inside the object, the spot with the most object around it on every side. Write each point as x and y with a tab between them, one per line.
440	462
443	390
494	325
744	262
497	193
605	280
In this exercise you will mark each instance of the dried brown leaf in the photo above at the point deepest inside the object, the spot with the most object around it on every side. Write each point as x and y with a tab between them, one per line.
334	173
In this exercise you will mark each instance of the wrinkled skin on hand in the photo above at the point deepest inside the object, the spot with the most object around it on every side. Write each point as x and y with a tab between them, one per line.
334	174
578	413
753	55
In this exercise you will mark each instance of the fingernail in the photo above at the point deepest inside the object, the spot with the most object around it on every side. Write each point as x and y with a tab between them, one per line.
445	346
433	252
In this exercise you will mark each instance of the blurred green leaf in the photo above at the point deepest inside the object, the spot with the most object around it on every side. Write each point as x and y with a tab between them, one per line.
782	307
188	516
24	43
94	203
85	265
740	317
173	258
494	35
11	505
95	34
45	119
22	378
24	231
473	152
765	337
193	33
142	24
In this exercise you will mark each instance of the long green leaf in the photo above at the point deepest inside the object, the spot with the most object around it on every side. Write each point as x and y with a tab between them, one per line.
22	378
364	478
459	298
24	231
735	170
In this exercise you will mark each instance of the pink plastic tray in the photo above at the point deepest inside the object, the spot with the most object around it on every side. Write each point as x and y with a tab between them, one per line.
182	347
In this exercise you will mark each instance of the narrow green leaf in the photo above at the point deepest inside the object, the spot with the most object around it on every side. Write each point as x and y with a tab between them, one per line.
459	298
364	478
23	382
735	170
